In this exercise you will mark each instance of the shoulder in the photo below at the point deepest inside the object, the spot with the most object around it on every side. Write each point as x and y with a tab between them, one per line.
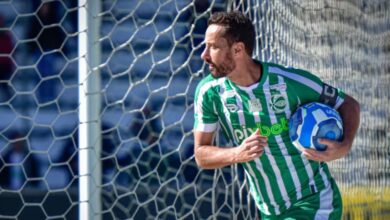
208	84
292	73
207	79
279	69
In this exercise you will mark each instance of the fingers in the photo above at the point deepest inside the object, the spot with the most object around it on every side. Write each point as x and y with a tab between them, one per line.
334	150
252	147
311	154
321	156
255	151
327	142
255	144
256	155
257	136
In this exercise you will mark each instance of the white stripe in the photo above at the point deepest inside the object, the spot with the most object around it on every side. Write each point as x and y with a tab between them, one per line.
307	165
339	102
326	199
283	147
255	114
257	188
259	167
324	177
275	168
312	84
309	171
240	112
206	127
224	94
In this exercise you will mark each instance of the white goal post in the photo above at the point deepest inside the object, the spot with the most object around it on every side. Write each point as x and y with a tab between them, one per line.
90	144
99	95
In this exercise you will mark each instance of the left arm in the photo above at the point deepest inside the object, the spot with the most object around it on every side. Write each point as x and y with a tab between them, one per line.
350	114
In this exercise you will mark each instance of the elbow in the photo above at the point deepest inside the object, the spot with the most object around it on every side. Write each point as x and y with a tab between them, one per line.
355	107
200	161
355	104
351	105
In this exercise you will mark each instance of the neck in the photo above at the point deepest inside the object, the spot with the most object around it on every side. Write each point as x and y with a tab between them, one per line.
246	73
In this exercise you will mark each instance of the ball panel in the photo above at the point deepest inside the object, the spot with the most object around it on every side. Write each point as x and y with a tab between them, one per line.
305	133
329	129
293	125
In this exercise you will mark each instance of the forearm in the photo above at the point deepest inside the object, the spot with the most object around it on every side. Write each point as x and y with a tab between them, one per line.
212	157
350	113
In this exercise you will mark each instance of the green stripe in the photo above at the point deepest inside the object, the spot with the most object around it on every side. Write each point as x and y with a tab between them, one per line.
299	166
273	181
263	189
223	121
337	202
315	166
257	191
201	84
232	117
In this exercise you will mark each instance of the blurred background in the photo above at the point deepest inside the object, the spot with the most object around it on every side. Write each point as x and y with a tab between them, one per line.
149	67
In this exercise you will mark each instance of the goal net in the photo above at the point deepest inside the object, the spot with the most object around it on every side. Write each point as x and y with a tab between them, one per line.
150	65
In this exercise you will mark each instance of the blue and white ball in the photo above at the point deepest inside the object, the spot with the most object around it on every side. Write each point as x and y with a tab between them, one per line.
313	121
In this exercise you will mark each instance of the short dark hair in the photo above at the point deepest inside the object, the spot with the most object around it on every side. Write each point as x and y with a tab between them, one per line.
238	28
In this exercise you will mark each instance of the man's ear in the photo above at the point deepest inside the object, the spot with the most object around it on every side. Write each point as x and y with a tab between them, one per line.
238	48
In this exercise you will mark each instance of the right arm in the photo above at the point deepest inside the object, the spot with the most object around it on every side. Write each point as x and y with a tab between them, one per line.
208	156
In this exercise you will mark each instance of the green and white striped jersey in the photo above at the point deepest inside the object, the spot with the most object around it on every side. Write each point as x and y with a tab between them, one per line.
282	175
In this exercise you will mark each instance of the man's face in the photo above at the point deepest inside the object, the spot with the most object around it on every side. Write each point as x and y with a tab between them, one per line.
218	53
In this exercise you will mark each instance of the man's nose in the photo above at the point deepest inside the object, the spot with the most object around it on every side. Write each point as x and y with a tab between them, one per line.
205	54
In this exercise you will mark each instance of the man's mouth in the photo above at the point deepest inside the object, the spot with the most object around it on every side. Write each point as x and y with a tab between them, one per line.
211	66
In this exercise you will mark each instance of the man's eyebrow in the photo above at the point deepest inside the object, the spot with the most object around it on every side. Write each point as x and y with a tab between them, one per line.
210	42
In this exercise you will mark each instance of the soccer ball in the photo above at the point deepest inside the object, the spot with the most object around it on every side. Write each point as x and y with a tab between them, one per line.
313	121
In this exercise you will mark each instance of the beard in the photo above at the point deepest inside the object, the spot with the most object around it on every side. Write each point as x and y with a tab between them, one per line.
223	69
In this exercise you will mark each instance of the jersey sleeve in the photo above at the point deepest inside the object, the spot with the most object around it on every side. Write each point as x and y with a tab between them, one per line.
205	116
311	88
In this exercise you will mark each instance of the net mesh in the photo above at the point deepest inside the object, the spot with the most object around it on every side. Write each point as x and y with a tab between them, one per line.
149	69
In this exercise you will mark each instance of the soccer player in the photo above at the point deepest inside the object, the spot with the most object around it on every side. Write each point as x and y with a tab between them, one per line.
252	101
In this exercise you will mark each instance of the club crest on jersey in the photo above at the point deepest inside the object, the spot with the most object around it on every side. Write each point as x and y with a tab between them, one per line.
278	103
254	105
232	107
